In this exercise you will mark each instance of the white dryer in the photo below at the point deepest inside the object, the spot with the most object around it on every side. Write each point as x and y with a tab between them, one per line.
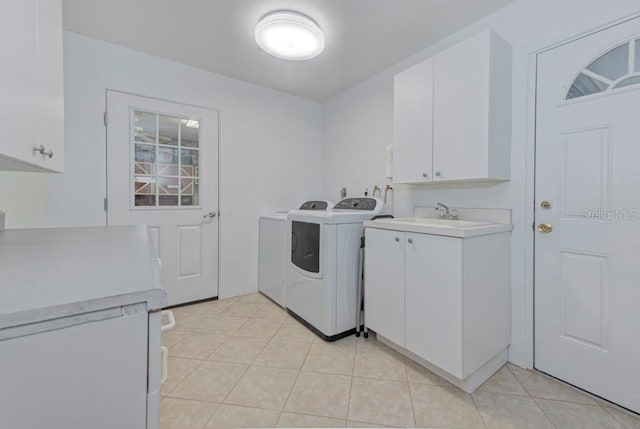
322	273
273	254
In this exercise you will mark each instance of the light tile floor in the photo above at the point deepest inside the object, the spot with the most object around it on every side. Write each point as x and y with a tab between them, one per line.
244	362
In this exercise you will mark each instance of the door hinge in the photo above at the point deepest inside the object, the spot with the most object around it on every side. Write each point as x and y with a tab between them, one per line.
106	119
106	204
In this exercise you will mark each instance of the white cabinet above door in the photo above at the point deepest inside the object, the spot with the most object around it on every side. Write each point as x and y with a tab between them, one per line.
31	84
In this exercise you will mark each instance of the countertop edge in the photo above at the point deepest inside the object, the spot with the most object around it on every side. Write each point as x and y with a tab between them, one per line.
445	232
155	299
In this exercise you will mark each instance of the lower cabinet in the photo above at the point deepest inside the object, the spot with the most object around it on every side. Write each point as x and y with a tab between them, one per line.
92	370
442	299
384	283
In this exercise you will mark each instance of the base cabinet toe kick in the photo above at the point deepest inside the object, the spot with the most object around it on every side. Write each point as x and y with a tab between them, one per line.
442	301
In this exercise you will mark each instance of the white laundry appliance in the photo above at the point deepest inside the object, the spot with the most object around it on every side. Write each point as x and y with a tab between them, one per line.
323	269
274	252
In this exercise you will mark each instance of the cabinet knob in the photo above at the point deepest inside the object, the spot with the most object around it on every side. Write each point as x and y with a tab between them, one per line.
397	238
438	173
410	240
42	151
425	175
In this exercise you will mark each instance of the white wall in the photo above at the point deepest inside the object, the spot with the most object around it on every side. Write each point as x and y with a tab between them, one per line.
358	125
270	149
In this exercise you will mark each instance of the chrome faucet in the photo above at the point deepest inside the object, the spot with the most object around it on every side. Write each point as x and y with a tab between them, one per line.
447	214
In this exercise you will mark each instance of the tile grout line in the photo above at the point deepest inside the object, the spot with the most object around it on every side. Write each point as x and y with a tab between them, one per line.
230	390
413	408
182	379
353	364
532	398
475	405
636	416
293	385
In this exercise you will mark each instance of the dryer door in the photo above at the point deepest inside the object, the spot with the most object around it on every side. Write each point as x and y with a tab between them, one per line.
305	246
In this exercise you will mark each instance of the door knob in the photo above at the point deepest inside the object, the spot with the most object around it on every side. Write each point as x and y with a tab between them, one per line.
210	215
545	205
545	228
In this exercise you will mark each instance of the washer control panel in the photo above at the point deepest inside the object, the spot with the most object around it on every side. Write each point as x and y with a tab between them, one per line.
314	205
357	204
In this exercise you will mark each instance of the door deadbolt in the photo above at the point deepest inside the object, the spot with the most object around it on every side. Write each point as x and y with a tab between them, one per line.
545	228
545	205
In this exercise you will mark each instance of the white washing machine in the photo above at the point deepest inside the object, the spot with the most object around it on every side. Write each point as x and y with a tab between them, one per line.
323	269
273	254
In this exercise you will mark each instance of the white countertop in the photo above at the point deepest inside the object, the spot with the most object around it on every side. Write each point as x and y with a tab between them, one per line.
57	272
445	227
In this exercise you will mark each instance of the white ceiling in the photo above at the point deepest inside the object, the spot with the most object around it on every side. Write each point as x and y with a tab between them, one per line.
363	36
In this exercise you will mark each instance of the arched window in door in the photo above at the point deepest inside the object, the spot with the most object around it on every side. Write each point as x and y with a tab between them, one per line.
617	68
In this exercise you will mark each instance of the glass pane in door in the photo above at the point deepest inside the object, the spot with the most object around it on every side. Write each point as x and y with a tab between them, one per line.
144	129
166	160
189	132
168	130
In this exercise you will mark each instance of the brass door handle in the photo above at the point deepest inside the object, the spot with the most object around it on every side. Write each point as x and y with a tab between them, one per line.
545	228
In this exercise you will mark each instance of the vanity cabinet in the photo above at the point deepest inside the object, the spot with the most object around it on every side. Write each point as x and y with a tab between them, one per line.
452	114
443	301
31	83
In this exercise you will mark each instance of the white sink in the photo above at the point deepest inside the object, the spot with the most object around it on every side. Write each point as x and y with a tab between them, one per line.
437	226
441	223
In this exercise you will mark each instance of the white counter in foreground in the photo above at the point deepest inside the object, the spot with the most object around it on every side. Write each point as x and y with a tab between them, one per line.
55	272
80	327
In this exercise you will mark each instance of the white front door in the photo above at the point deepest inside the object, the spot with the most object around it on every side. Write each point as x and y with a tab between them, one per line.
162	170
587	246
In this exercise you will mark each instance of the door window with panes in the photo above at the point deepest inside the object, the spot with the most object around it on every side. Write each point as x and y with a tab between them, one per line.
166	160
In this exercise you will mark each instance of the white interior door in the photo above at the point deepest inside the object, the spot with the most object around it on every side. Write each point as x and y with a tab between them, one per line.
587	267
162	170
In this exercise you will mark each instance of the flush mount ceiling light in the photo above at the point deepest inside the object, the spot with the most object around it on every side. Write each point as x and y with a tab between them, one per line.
289	35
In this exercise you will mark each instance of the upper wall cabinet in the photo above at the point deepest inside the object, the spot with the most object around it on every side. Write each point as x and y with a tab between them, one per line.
31	84
413	124
452	114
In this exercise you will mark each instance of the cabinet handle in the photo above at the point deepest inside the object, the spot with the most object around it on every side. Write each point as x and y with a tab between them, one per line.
397	238
410	240
42	151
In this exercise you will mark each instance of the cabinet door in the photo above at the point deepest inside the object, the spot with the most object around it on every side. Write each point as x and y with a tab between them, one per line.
18	75
434	300
413	124
31	84
50	85
461	110
91	375
384	283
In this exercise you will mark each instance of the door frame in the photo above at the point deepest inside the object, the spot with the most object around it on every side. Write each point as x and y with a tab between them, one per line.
106	160
530	176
